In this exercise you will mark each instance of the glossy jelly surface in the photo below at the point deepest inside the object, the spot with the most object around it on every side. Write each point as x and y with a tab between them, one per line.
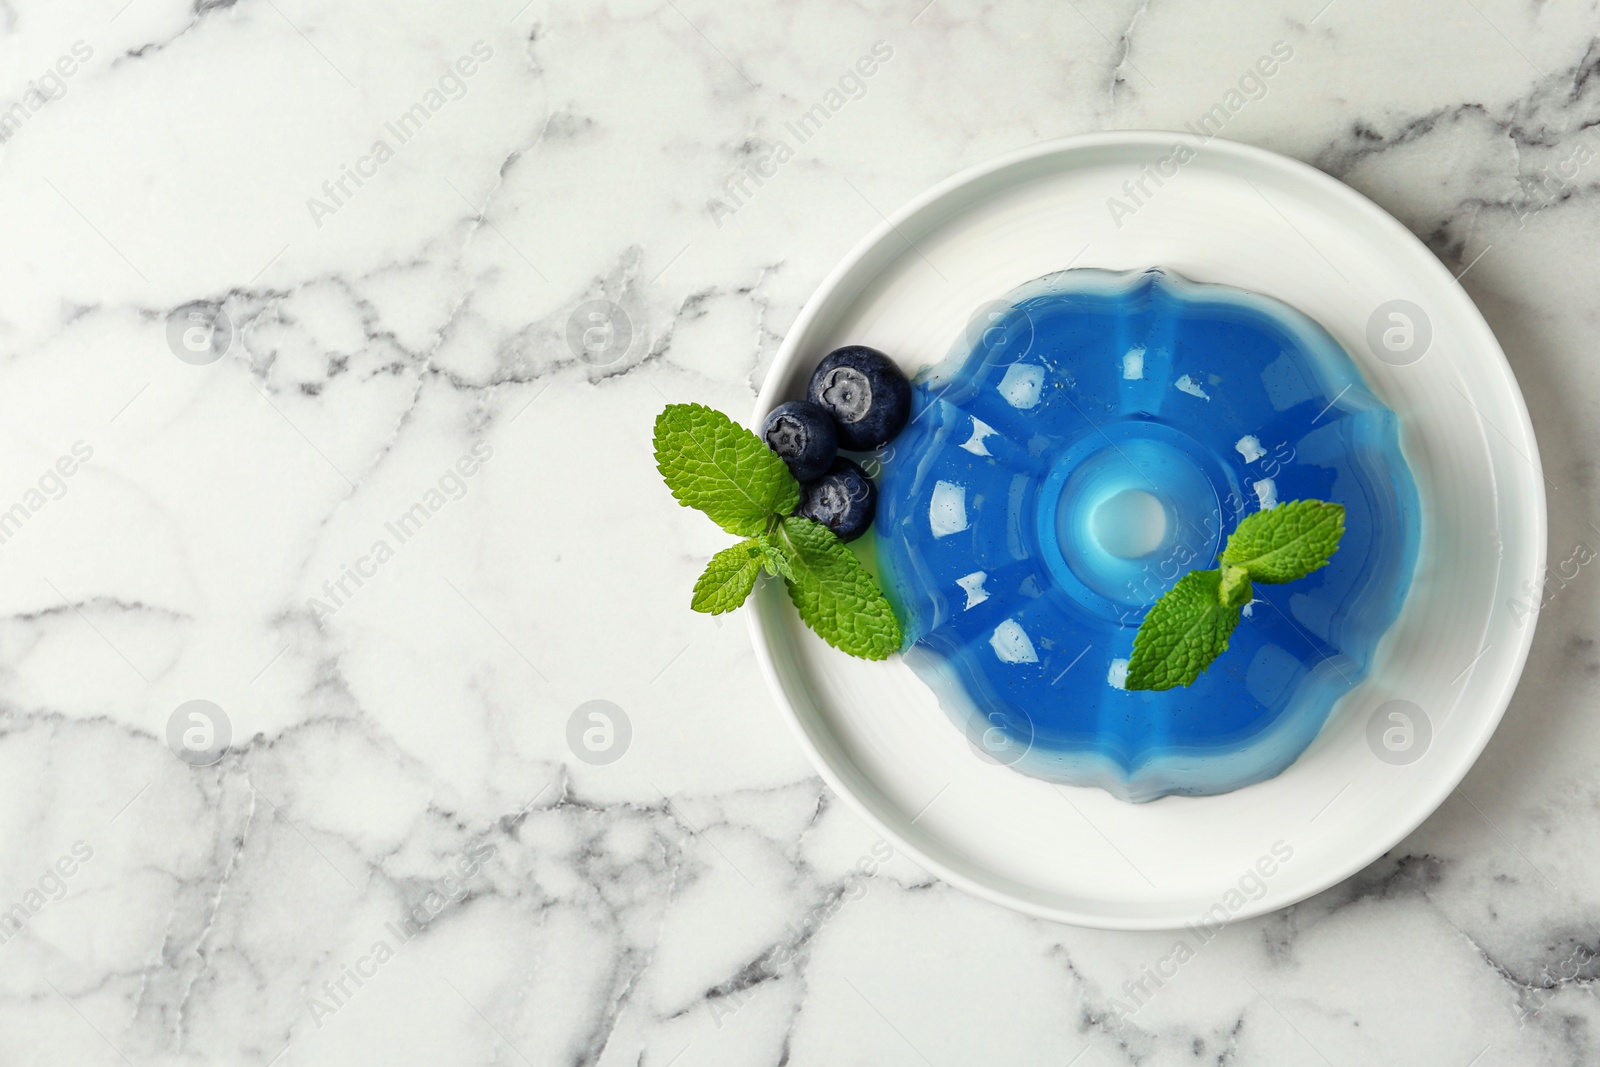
1094	437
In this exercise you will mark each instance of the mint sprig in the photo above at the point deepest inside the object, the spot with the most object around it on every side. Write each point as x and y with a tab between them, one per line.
1190	625
713	464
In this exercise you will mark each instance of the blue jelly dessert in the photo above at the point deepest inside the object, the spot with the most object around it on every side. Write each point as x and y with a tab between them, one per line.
1094	438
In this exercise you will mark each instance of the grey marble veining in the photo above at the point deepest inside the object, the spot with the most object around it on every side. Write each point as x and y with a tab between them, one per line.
401	857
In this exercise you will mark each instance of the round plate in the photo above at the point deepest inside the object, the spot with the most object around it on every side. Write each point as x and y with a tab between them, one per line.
1398	743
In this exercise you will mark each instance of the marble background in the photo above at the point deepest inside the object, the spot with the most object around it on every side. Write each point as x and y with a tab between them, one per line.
401	748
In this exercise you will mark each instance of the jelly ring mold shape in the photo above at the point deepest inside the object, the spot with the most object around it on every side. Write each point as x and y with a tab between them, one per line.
1091	441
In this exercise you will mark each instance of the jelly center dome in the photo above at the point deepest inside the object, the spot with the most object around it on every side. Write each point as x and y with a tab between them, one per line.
1129	524
1115	504
1096	442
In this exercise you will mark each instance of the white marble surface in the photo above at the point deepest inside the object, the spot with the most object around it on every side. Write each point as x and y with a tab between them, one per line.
691	903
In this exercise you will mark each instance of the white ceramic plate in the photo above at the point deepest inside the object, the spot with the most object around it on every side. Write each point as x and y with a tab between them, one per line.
1244	217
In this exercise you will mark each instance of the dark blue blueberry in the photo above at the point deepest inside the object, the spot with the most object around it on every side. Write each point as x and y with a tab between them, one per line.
804	435
865	392
844	500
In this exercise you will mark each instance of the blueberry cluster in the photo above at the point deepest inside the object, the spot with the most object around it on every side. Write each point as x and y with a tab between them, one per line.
858	400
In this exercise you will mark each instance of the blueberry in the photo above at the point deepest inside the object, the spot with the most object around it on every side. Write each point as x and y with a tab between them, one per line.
844	500
804	435
865	392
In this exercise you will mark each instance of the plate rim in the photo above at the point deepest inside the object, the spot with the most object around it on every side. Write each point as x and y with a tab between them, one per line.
1263	158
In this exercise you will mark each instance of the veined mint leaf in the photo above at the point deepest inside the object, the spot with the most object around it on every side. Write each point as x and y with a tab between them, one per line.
1184	631
729	577
712	463
1288	542
834	593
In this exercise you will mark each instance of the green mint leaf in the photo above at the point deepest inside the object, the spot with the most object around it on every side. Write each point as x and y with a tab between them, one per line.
729	577
1184	631
834	593
1235	591
712	463
1288	542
